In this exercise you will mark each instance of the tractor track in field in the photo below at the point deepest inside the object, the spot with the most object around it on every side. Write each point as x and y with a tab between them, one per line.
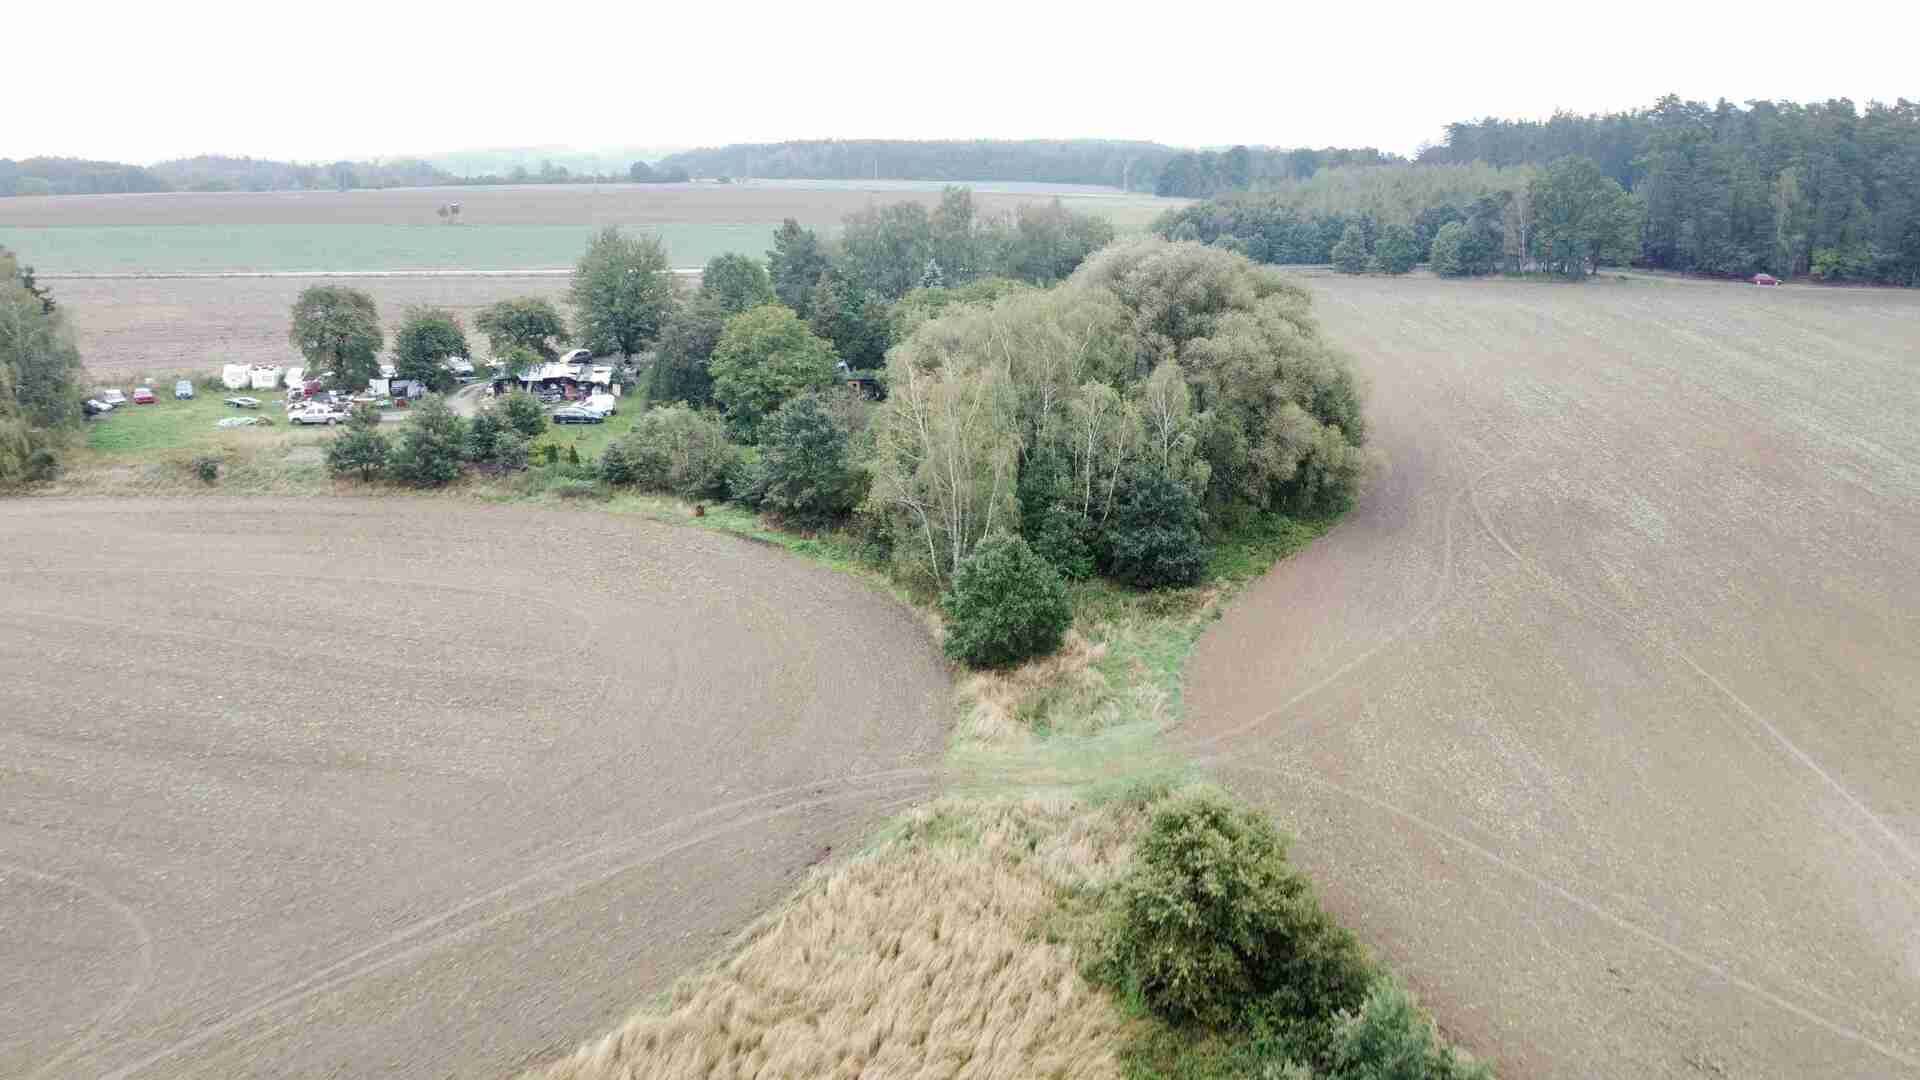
1622	776
538	802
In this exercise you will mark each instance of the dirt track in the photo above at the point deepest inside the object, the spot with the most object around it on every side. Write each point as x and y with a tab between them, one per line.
1600	716
401	788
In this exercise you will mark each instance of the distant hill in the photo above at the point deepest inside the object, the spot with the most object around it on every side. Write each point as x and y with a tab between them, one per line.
1045	161
212	172
74	176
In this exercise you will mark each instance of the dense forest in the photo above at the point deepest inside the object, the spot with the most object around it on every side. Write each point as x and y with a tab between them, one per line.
1825	189
1068	161
73	176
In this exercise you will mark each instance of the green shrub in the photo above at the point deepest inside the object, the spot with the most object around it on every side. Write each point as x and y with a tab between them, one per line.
1391	1039
522	412
361	447
1152	539
1059	536
616	469
510	451
679	450
207	468
431	446
1212	926
1447	258
483	435
1350	255
765	356
1056	532
1006	605
805	474
1396	250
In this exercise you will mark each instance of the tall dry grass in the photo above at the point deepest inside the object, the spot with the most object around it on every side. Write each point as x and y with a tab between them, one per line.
937	954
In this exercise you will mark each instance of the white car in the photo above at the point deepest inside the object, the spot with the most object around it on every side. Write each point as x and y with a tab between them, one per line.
316	414
604	404
576	356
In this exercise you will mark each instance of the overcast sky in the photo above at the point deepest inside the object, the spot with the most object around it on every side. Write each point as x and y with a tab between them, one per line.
143	81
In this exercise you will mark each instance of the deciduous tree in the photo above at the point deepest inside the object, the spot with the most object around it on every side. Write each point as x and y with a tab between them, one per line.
1581	218
527	322
795	265
735	282
621	293
337	329
764	357
427	338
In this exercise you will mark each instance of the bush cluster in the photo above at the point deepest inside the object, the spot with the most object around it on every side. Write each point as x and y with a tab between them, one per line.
676	450
361	448
431	447
805	474
1006	605
1213	930
1161	380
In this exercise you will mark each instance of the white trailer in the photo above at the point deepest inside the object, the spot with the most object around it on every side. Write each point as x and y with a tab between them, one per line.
265	378
236	377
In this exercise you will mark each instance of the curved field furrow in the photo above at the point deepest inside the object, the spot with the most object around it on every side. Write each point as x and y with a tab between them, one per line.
403	788
1600	715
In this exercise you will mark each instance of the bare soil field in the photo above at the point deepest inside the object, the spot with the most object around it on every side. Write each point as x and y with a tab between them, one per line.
128	327
404	788
816	204
1600	716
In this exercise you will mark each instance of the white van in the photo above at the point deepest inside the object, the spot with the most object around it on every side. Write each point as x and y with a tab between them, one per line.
604	404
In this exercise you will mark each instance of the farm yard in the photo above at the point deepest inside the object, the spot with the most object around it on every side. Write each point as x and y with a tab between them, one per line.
1597	715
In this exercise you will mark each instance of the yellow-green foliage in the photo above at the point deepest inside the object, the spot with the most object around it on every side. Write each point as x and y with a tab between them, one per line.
1395	194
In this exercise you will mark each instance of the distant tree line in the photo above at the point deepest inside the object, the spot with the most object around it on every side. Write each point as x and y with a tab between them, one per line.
1206	173
1825	188
1340	215
72	176
1133	165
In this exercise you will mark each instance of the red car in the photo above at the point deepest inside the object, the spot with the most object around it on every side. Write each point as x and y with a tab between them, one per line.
143	395
1765	279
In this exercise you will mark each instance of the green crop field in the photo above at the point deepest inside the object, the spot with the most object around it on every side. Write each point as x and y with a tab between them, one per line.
498	228
283	248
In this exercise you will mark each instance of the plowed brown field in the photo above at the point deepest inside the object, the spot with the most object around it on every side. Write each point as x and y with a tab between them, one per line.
391	787
130	327
1600	715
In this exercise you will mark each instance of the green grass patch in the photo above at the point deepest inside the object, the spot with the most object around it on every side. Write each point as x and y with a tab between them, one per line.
140	433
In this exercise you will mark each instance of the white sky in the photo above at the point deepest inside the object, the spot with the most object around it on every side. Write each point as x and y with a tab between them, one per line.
147	81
